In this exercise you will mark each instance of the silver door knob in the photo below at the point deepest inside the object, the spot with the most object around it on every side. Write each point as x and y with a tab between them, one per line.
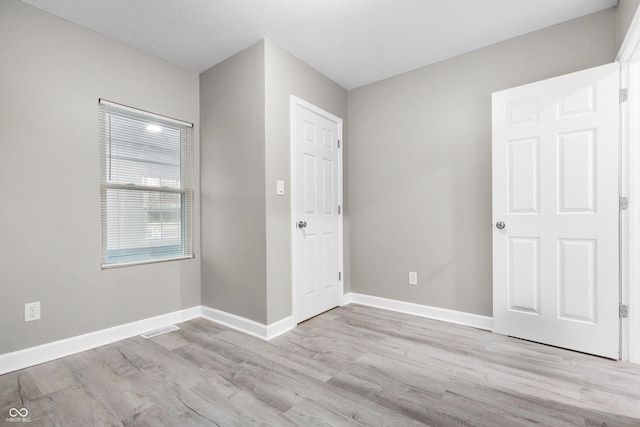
500	225
302	224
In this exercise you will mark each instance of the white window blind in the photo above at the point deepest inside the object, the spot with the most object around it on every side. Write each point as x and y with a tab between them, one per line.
146	191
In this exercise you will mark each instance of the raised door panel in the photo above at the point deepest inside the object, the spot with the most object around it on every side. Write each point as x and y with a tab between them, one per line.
524	275
577	172
577	280
524	176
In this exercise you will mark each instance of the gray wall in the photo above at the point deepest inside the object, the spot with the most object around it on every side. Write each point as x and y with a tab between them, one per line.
246	228
52	74
420	164
625	12
232	110
286	75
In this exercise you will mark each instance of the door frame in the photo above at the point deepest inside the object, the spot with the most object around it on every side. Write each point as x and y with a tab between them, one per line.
294	103
629	59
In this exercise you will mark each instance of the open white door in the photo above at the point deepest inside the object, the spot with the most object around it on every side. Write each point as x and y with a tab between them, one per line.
317	183
555	211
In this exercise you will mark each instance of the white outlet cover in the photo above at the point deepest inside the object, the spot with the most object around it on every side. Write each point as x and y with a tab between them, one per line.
32	311
413	278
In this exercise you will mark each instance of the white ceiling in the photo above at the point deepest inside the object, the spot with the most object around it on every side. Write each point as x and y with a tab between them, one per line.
353	42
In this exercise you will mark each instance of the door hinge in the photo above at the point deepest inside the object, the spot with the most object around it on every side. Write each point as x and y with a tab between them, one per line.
624	95
624	203
338	143
339	276
339	210
623	311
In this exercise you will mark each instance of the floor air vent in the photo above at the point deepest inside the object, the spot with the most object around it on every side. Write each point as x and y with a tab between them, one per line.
160	331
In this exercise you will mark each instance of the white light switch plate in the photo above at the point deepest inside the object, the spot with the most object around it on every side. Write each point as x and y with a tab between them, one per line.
280	188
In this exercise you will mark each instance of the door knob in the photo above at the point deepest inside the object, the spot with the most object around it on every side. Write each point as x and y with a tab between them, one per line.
500	225
302	224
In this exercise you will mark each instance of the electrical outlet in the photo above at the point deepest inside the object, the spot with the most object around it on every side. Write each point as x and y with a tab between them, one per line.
32	311
413	278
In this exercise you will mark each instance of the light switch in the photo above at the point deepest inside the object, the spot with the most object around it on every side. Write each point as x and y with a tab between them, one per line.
280	188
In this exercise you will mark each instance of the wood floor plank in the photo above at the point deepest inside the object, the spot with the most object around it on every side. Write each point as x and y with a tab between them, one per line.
70	406
264	372
354	365
518	376
311	413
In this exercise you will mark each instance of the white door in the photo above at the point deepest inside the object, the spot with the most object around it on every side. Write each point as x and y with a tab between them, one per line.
555	211
317	185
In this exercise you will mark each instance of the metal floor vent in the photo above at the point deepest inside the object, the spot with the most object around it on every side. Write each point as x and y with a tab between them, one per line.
160	331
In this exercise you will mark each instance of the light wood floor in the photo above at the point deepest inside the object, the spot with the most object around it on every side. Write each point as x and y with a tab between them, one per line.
354	365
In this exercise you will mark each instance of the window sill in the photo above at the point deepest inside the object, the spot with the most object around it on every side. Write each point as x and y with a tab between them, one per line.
149	261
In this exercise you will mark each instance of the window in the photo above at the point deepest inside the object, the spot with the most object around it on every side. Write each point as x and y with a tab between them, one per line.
145	186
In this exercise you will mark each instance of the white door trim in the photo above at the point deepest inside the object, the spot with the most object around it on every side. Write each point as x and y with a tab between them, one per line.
631	40
624	222
295	101
629	58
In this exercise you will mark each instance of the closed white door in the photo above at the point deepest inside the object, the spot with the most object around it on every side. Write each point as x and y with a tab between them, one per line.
316	137
555	211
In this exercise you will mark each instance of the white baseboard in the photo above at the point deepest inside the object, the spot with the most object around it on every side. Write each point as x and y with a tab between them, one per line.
21	359
249	327
32	356
436	313
280	327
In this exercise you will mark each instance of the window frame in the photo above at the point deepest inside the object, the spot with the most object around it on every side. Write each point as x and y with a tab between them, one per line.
149	254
